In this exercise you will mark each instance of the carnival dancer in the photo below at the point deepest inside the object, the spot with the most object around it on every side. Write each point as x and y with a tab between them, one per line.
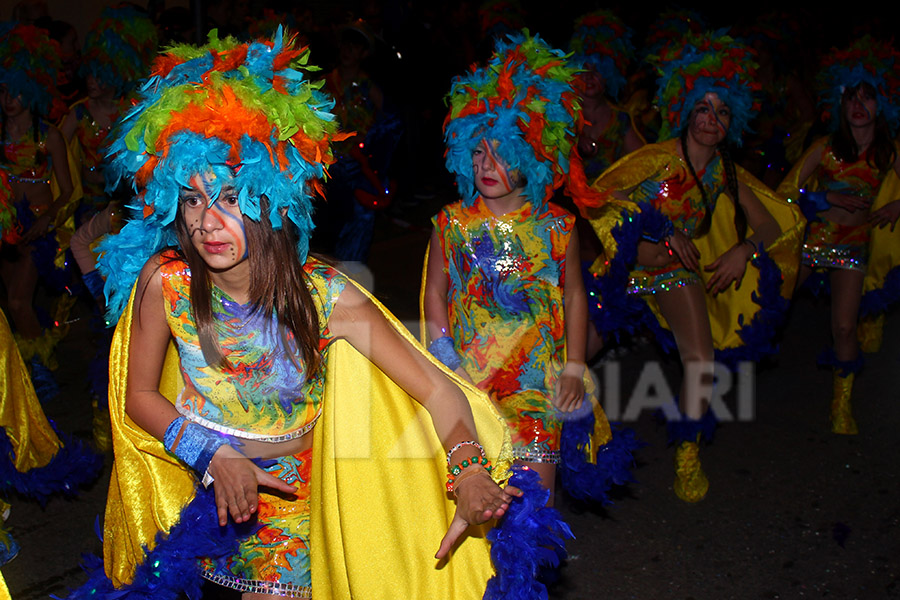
501	305
117	53
696	250
848	187
292	389
35	461
45	189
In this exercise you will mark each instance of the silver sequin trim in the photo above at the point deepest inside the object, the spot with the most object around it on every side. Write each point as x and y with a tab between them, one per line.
639	285
239	433
254	586
833	257
536	456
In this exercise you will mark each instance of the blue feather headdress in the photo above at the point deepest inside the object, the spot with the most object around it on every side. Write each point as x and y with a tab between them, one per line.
716	63
602	42
866	61
243	111
29	68
119	48
524	99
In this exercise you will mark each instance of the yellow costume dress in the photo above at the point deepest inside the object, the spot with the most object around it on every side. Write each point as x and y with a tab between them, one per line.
743	321
377	500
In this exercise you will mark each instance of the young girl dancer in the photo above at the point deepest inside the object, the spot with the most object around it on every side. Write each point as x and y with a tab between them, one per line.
311	451
502	305
699	246
847	183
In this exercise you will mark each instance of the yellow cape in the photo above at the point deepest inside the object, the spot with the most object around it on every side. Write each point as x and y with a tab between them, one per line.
884	245
33	440
729	310
379	506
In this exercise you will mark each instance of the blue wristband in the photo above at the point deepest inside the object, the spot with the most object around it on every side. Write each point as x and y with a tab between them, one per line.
93	281
443	350
196	445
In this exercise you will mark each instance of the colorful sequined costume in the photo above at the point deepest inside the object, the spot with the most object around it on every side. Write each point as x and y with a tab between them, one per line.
664	196
874	249
369	431
90	147
505	300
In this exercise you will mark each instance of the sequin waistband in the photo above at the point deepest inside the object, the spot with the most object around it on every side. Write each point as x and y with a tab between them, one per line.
240	433
537	455
255	586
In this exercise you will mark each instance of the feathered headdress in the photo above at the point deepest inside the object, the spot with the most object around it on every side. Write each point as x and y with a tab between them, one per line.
524	100
244	111
671	25
120	47
29	68
602	42
868	61
697	65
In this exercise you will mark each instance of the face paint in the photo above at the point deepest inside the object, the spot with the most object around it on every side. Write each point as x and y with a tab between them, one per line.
709	120
492	177
215	224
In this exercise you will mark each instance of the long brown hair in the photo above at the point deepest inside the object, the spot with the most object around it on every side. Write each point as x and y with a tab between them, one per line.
278	285
881	154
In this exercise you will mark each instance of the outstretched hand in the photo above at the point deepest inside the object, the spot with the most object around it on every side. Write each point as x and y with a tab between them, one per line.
479	499
237	482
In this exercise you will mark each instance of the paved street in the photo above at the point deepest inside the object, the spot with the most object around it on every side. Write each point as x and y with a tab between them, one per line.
793	511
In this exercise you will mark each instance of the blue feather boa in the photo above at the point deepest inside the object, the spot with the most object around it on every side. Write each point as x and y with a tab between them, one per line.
592	481
684	429
73	466
878	301
529	538
842	367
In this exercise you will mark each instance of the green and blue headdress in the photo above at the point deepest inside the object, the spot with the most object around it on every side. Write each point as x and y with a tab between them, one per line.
243	111
868	61
119	48
524	99
697	65
602	42
29	68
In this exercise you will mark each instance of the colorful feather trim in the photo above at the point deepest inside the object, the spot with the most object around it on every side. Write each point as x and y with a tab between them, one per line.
74	465
29	68
119	47
602	42
529	538
611	464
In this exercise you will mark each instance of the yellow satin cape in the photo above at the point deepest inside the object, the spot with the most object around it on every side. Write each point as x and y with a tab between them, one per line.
884	244
29	432
731	309
379	505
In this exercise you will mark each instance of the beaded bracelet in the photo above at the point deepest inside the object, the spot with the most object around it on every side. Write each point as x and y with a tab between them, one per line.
455	470
460	445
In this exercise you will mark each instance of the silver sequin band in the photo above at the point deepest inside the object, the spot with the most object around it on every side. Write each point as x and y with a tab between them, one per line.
536	455
16	178
255	586
239	433
644	286
834	257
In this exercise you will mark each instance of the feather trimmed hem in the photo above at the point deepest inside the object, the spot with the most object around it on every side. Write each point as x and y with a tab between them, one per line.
74	465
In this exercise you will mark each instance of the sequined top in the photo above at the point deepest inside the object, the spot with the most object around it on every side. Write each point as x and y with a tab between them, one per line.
506	278
263	395
28	161
674	192
92	139
858	177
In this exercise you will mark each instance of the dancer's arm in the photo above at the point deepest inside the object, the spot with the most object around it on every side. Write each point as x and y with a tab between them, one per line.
570	385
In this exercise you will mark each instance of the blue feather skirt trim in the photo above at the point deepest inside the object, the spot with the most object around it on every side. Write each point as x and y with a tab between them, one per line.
842	367
616	312
530	537
614	460
74	466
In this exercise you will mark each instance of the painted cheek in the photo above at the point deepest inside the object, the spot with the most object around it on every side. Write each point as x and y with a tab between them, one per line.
499	169
234	225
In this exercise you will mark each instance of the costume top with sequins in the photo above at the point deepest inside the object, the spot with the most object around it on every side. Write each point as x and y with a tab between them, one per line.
27	160
506	277
92	137
858	177
609	145
263	392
